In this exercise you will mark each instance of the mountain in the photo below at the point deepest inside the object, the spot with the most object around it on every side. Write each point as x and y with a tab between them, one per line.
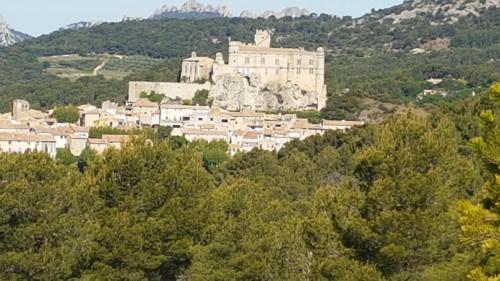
81	24
437	11
191	9
10	36
293	12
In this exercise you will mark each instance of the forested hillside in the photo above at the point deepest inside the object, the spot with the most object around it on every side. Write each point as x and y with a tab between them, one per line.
368	64
401	200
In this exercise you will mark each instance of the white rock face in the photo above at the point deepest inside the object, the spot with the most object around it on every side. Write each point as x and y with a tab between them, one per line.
9	36
82	24
293	12
448	11
235	92
190	9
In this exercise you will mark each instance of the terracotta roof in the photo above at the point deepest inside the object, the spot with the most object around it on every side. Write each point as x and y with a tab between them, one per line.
79	129
202	132
25	137
4	124
251	135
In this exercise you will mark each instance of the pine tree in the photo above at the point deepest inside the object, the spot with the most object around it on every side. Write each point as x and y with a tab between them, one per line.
481	221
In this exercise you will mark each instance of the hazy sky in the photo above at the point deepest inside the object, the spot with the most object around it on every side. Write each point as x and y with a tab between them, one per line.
38	17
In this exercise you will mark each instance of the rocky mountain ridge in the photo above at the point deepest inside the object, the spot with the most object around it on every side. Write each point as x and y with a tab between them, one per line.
9	36
438	11
294	12
191	9
81	24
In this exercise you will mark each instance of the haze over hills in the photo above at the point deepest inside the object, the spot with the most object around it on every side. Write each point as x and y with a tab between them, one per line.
9	36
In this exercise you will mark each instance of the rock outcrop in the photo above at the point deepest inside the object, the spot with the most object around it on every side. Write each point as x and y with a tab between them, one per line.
293	12
235	92
79	25
438	11
191	9
9	36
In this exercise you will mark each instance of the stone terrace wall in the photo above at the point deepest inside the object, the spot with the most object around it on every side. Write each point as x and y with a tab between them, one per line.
168	89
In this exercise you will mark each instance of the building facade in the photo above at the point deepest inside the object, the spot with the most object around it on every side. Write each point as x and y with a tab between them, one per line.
276	67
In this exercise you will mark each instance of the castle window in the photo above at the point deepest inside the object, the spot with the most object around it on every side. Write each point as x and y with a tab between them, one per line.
299	61
277	62
298	71
277	71
247	60
311	70
311	62
263	60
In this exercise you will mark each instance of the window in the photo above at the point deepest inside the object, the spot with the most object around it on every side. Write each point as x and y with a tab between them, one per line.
277	71
311	62
299	62
247	60
277	62
298	71
263	60
311	70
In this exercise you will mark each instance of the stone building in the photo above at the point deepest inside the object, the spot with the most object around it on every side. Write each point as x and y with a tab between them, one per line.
263	67
278	66
196	69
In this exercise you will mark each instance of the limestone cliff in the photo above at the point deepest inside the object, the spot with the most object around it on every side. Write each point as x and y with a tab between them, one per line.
9	36
235	92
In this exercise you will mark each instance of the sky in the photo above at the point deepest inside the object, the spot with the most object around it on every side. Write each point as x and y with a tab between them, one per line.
37	17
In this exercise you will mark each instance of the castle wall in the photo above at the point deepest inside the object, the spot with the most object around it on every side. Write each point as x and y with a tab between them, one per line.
277	66
168	89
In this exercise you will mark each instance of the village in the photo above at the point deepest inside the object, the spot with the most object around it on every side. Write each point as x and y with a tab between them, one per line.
241	93
26	129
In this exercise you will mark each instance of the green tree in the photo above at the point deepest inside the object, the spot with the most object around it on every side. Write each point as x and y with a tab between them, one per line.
201	98
215	154
152	97
396	211
65	156
66	114
481	221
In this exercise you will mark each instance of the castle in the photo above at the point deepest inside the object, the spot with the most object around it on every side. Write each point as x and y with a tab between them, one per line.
255	76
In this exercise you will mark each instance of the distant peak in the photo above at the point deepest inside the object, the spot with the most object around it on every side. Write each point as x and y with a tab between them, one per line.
294	12
9	36
192	8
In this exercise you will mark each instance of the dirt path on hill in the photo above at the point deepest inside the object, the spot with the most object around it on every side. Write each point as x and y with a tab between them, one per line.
99	67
